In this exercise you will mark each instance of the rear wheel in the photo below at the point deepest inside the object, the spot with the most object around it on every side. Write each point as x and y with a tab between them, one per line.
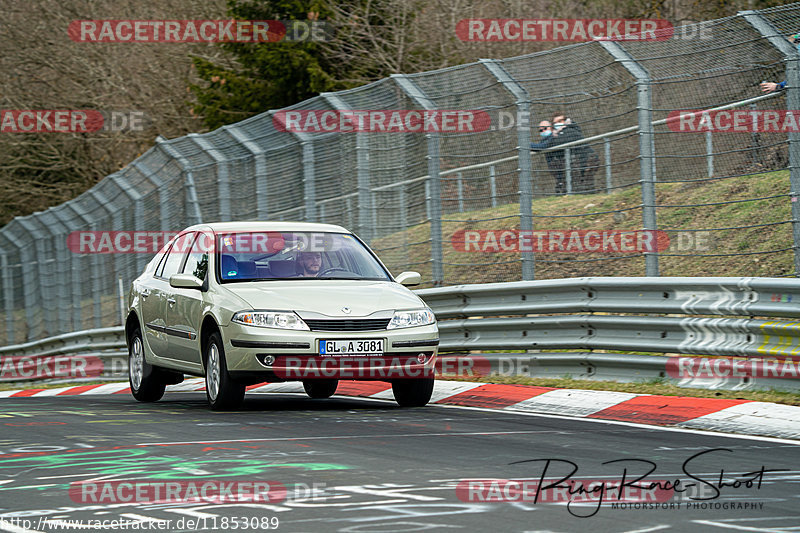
320	388
412	392
221	390
147	383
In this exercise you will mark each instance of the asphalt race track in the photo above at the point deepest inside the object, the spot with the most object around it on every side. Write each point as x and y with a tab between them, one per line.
359	465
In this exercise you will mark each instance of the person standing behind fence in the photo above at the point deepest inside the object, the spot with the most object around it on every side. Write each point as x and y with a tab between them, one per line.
583	160
555	159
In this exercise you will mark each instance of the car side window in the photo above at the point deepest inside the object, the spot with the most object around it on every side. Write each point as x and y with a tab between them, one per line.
176	255
197	263
160	268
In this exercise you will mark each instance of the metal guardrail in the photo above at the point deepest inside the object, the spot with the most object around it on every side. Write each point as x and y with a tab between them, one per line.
464	310
658	315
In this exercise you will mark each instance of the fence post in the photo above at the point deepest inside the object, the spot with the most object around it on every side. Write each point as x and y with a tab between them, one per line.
43	274
97	260
366	200
309	183
71	284
164	203
709	154
568	169
260	161
192	210
434	178
460	187
646	145
223	181
493	185
524	119
78	274
29	289
607	150
135	199
790	57
8	297
58	231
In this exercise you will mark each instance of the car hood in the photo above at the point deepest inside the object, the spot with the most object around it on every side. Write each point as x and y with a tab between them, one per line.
326	297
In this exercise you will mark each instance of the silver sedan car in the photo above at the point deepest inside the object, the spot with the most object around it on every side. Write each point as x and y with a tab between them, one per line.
252	302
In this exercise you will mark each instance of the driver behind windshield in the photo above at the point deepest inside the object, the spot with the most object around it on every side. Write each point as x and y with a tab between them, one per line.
310	264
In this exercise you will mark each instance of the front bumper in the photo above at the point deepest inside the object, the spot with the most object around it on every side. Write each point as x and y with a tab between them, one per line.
264	354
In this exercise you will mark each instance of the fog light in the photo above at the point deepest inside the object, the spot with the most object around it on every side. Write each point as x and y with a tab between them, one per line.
422	358
269	360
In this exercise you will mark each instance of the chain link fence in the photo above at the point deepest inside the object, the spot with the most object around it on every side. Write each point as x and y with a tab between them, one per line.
411	195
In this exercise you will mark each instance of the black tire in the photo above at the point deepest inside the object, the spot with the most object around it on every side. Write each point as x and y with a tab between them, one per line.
146	380
320	388
222	391
412	392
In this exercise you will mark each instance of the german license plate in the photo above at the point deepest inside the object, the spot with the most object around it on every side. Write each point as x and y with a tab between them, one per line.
340	347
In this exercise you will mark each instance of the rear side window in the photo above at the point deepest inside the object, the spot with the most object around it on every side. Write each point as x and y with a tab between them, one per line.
175	256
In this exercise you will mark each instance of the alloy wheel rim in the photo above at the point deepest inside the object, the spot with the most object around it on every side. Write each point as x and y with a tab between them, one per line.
136	363
212	374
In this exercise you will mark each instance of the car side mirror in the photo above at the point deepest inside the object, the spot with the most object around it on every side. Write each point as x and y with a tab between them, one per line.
185	281
408	278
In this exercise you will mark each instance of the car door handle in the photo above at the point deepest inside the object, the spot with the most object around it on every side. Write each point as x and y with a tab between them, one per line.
171	301
145	293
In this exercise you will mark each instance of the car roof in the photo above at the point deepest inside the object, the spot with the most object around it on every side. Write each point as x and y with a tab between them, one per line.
260	225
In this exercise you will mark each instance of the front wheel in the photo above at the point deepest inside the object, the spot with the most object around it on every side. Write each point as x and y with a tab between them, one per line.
320	388
147	383
412	392
222	391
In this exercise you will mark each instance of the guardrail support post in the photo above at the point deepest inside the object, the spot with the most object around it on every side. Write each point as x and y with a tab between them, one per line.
434	178
792	60
524	120
646	144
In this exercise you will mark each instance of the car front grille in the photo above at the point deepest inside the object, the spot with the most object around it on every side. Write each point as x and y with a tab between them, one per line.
350	324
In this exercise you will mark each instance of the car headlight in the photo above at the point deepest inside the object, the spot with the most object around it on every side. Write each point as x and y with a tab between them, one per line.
270	319
409	319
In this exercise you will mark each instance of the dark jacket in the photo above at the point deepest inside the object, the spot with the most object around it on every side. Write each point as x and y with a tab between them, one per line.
581	156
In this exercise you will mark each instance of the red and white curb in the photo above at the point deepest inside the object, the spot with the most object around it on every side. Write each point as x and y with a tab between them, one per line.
730	416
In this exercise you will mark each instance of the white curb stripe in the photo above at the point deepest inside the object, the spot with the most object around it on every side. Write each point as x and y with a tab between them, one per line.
53	392
441	390
572	402
752	418
289	386
109	388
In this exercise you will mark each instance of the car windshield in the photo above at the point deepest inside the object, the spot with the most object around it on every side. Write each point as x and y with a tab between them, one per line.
259	256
